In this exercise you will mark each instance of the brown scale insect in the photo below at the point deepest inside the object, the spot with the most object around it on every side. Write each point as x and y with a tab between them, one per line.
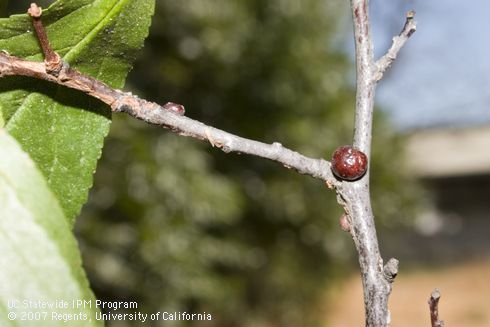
349	163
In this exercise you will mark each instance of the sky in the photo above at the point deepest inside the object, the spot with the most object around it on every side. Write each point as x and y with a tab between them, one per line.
442	75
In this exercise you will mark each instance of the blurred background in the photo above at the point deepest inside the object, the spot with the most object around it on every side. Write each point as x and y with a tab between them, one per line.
179	226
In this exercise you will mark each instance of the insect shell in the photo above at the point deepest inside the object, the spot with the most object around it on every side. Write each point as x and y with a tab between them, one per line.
348	163
344	223
175	107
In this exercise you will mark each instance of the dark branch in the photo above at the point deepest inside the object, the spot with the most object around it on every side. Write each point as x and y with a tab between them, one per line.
434	309
52	59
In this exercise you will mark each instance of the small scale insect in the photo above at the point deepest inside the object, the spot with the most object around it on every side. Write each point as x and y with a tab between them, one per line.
344	223
175	107
349	163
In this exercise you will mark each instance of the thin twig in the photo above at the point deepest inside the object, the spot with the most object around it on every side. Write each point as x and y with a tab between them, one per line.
434	309
52	59
398	42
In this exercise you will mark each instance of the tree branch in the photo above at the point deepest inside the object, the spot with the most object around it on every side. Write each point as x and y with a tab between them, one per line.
434	309
52	59
398	42
168	116
355	196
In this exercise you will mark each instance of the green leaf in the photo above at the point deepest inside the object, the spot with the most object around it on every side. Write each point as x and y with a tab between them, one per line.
39	256
61	129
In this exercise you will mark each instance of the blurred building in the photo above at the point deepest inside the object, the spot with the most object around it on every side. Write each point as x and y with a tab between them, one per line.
454	165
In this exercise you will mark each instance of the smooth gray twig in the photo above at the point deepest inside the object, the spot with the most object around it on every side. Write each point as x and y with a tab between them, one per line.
398	42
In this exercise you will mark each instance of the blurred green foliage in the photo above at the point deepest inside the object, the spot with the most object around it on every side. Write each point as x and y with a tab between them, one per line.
177	225
3	8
